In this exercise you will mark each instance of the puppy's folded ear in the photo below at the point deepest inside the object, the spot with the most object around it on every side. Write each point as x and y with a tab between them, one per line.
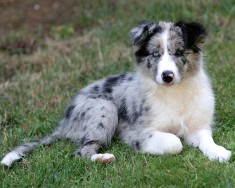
140	33
194	34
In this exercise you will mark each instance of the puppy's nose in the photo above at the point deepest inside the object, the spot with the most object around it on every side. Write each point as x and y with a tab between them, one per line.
167	76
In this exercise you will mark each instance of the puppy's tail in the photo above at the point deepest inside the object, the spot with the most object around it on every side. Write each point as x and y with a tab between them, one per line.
20	151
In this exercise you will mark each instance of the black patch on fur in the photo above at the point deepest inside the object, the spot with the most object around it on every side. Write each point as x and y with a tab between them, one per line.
141	122
122	111
100	125
107	97
136	113
86	141
147	108
108	89
135	117
92	96
76	118
83	140
88	109
139	59
83	115
192	33
104	96
92	142
103	116
147	31
69	111
79	153
149	65
111	82
137	145
142	50
184	60
130	78
95	88
195	49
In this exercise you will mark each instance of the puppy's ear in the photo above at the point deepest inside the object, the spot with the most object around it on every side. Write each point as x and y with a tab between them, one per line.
140	33
194	34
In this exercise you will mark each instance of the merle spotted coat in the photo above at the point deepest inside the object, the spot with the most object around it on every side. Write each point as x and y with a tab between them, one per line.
167	98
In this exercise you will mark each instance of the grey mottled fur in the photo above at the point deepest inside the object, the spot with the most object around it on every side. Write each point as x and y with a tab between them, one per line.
119	104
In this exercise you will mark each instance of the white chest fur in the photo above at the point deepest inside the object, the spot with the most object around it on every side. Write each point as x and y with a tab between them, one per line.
182	108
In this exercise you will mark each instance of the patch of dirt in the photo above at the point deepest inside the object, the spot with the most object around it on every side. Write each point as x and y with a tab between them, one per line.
33	20
25	45
24	25
34	15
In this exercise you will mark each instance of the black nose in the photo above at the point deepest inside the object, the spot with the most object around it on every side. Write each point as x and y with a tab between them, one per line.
167	76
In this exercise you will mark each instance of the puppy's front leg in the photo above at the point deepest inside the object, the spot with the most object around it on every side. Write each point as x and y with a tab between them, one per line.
204	141
160	143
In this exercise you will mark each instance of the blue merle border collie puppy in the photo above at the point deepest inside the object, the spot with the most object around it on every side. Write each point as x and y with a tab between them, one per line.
168	97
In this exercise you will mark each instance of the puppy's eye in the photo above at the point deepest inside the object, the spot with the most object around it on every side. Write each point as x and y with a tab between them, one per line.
156	54
179	52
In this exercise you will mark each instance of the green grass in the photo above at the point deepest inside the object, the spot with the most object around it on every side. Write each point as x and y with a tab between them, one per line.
35	88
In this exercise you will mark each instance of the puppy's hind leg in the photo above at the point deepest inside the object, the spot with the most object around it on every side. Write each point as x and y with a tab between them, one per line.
99	123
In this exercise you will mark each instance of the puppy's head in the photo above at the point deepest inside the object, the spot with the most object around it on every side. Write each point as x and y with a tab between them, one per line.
168	52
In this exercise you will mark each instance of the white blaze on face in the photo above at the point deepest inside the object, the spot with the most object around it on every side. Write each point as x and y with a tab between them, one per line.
166	62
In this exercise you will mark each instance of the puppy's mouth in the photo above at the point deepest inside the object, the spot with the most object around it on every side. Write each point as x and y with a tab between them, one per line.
168	84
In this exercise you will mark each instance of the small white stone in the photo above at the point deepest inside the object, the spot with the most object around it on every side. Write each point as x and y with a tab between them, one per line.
36	7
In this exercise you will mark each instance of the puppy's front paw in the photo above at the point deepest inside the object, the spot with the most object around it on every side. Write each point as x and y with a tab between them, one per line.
163	143
218	153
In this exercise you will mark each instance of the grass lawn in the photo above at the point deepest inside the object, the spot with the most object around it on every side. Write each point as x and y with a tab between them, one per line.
43	66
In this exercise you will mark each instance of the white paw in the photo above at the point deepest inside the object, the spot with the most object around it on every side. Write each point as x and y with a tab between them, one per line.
218	153
163	143
11	158
104	158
